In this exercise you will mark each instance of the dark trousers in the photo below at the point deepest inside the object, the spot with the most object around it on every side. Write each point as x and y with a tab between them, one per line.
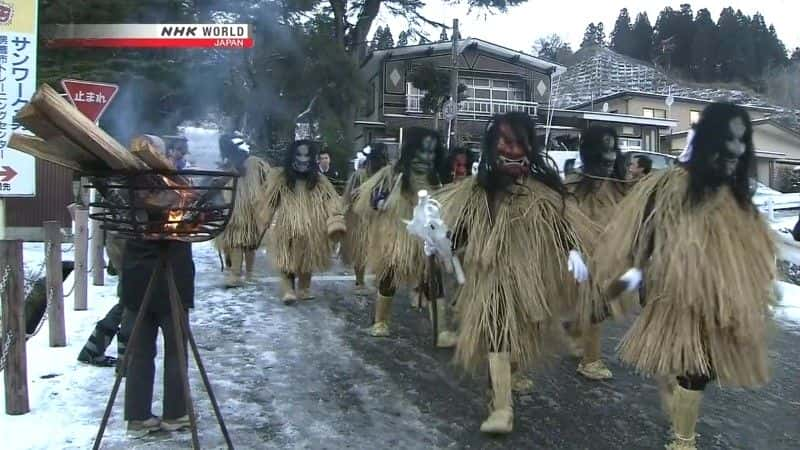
104	332
140	375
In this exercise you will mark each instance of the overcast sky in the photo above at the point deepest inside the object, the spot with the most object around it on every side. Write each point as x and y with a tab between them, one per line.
522	25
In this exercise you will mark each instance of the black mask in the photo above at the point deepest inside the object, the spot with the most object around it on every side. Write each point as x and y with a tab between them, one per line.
302	159
728	159
422	163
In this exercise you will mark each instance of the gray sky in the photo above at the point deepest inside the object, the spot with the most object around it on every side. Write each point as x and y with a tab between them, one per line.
521	26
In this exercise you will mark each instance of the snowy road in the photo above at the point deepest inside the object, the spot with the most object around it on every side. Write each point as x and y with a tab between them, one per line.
308	377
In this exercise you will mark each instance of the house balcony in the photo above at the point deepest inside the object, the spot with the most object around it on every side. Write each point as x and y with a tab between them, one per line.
479	108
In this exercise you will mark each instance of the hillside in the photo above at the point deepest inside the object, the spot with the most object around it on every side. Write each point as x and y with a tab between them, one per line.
598	71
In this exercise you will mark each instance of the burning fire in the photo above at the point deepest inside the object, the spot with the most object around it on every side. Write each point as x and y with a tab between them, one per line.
176	215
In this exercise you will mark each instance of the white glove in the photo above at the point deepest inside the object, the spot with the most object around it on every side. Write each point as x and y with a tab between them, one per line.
632	279
577	266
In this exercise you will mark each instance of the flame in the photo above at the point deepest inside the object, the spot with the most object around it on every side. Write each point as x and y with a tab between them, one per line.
175	216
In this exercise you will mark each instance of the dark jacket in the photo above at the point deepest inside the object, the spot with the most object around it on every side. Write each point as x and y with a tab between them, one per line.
796	231
141	259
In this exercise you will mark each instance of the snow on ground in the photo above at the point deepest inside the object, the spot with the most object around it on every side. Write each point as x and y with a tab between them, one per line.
789	309
267	344
59	416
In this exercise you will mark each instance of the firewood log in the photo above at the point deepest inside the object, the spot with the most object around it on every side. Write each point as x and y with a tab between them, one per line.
150	149
38	148
78	128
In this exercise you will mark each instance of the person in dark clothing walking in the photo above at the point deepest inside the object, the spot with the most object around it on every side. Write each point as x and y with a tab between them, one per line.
141	261
94	351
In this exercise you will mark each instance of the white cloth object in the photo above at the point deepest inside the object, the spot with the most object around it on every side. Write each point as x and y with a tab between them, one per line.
632	279
577	266
686	155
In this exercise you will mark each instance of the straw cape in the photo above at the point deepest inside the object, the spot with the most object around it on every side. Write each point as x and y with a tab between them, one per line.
298	239
244	229
708	271
392	254
354	245
515	261
597	198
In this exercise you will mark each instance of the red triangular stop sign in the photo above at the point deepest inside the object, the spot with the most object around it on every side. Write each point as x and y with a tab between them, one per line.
90	97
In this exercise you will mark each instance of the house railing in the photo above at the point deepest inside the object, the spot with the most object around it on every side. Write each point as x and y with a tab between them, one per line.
479	107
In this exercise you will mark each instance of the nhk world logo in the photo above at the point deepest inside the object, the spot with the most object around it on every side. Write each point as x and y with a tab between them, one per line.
150	35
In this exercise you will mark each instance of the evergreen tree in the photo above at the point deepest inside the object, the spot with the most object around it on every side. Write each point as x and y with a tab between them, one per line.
776	48
744	69
642	38
376	38
594	35
622	35
402	39
552	48
673	38
589	36
727	51
600	37
443	36
796	55
703	64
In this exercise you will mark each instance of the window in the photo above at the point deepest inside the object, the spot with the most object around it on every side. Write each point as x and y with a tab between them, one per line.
629	144
487	96
413	98
694	116
655	113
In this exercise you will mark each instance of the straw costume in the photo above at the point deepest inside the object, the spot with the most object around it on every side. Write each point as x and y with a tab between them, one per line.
242	236
512	225
354	245
706	261
387	198
598	190
306	219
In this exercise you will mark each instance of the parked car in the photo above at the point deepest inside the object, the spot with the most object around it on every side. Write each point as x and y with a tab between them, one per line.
661	161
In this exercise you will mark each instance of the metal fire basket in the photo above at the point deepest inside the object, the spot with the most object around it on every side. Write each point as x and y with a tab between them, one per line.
166	208
188	205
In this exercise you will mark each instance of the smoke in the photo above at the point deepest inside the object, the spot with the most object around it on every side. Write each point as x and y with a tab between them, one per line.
203	146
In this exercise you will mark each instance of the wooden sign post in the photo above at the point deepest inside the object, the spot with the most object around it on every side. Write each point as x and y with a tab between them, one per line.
55	284
12	292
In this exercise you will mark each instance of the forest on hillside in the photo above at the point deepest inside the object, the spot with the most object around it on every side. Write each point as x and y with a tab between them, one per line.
733	49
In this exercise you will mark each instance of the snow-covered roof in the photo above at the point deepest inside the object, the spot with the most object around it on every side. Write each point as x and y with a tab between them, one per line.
485	46
678	98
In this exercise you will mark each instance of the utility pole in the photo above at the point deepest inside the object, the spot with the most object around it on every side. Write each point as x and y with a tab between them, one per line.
454	85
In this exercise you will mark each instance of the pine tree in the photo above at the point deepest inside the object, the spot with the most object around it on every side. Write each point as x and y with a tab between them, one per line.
376	38
552	48
703	64
796	55
642	38
402	39
728	30
673	37
443	36
382	39
600	36
589	36
744	69
622	36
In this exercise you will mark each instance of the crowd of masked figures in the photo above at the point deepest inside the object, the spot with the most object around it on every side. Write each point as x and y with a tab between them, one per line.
516	261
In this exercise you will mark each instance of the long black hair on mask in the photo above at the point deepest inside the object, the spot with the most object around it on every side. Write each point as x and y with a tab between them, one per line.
542	168
378	158
591	152
312	176
412	143
592	147
712	132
